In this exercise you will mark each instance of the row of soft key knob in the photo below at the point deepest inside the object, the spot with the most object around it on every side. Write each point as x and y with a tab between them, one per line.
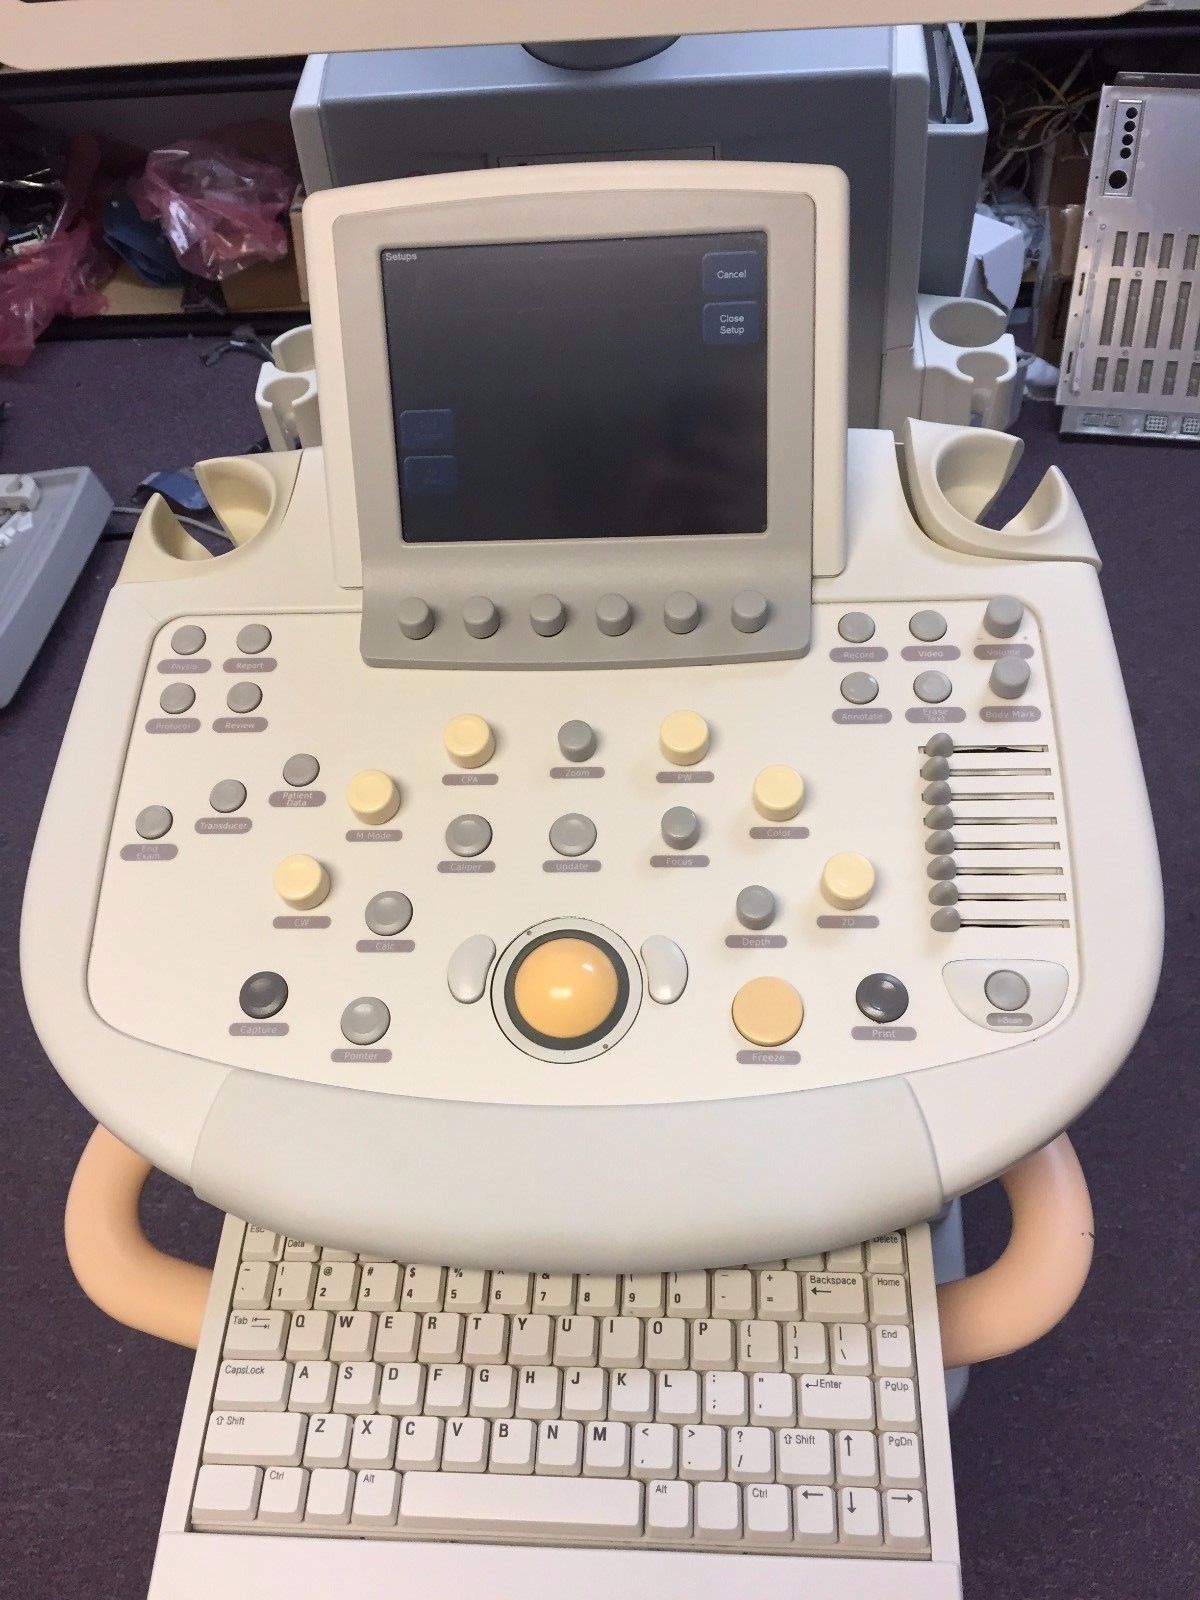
481	617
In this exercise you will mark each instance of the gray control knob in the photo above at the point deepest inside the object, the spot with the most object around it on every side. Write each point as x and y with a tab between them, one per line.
681	612
547	615
1003	616
415	617
680	827
480	616
755	906
614	615
1010	677
577	740
749	611
939	744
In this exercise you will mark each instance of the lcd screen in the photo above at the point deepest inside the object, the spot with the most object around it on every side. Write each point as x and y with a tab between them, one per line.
580	389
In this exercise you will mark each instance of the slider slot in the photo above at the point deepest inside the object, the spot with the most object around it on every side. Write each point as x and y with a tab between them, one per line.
1010	872
1005	844
1000	749
1005	822
999	772
965	895
1028	922
998	794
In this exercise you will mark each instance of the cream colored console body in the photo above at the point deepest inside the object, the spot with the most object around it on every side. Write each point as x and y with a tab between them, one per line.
837	935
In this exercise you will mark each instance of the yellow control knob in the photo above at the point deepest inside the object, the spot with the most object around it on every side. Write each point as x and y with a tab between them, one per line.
470	742
565	988
767	1012
373	797
683	738
848	881
778	793
301	882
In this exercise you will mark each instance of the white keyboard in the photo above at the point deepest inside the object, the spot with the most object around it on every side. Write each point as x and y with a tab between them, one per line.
774	1408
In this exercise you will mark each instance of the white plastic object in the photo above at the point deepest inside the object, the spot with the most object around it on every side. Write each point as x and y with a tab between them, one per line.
955	474
970	362
286	392
19	492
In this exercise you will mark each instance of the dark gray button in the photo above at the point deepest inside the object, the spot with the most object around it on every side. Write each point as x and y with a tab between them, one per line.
940	744
860	688
936	767
755	906
177	697
415	617
480	617
469	835
263	995
749	611
881	998
301	770
936	794
856	627
228	795
153	821
939	817
1010	677
614	615
680	827
577	740
388	913
932	687
1006	990
365	1021
254	638
572	835
681	612
244	697
928	626
547	615
187	640
1003	616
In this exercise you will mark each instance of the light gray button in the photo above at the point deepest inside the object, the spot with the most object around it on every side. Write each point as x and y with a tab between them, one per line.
1010	677
187	640
153	821
936	767
856	627
388	913
547	615
680	827
614	614
177	697
932	687
467	971
1006	990
939	817
263	995
681	612
254	638
572	835
749	611
666	969
928	626
881	998
936	794
228	795
301	770
860	688
940	744
755	906
244	697
577	740
415	617
469	835
480	616
365	1021
1003	616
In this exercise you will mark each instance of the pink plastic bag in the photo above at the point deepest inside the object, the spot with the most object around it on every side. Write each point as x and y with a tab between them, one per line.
221	207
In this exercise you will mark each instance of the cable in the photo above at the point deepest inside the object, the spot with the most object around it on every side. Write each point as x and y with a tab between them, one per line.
980	35
197	524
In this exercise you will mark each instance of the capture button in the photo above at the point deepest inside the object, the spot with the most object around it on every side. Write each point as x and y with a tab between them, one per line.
731	272
263	995
565	988
767	1012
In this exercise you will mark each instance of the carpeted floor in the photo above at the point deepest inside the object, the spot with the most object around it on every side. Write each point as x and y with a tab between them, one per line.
1075	1462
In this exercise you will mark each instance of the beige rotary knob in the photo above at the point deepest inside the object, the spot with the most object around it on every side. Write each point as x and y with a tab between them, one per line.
373	797
470	742
301	882
848	881
683	738
778	793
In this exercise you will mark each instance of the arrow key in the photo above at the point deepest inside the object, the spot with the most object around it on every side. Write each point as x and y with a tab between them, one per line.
856	1457
860	1516
812	1515
904	1511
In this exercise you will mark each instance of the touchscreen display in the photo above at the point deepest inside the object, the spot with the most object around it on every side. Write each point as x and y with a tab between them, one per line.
579	389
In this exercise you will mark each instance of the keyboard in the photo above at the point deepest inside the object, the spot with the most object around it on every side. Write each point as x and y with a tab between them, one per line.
790	1407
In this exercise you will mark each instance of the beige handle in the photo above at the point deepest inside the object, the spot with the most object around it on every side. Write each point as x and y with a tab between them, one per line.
1016	1300
116	1265
1038	1276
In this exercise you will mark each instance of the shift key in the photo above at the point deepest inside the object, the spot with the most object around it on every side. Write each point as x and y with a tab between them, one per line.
834	1297
266	1438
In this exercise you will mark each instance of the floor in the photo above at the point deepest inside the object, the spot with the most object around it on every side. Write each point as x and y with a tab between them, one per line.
1075	1461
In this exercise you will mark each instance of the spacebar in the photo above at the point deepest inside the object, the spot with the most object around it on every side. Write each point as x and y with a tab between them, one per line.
442	1502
